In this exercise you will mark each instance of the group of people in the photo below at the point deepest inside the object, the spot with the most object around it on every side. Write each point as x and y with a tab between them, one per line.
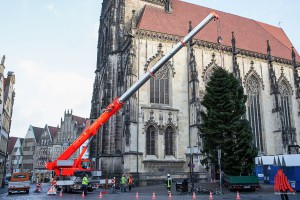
123	183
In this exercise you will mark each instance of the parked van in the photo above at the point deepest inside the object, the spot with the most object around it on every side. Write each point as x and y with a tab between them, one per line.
19	182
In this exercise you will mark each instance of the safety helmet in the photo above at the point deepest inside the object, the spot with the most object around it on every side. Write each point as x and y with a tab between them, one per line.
168	175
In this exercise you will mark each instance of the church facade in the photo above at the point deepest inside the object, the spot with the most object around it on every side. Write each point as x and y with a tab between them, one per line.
149	136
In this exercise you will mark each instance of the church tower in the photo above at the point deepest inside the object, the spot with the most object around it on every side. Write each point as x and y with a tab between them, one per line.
114	74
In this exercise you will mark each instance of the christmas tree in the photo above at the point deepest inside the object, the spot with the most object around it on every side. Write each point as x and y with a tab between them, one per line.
223	125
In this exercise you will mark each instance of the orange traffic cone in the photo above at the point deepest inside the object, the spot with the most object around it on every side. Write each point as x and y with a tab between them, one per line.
136	195
194	195
82	194
210	196
153	196
100	195
170	195
60	194
238	196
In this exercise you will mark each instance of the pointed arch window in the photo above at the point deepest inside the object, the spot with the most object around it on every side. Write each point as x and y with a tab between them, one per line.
285	102
150	140
160	87
254	111
169	141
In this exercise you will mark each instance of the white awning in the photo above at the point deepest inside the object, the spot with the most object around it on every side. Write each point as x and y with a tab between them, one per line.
267	160
291	160
258	160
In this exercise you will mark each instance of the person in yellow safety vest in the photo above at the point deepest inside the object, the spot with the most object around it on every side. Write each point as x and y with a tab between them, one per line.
123	181
130	182
85	183
168	183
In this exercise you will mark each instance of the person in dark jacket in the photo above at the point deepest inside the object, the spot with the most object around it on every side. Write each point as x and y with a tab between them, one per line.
168	183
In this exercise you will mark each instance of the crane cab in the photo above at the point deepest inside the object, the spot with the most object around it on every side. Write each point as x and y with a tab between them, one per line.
85	164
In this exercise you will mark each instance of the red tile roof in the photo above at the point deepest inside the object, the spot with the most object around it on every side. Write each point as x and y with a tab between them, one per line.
11	144
250	35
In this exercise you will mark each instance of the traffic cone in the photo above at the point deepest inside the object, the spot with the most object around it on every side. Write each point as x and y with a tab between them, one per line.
136	195
238	196
82	194
100	195
210	196
60	194
153	196
194	195
170	195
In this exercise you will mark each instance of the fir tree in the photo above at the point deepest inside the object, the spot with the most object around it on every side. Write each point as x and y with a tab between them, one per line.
223	125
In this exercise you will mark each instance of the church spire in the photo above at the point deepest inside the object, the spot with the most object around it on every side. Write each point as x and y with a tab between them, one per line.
235	65
296	75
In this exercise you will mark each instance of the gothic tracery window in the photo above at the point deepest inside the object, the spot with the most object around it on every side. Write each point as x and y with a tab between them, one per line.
169	141
285	102
150	140
159	87
209	73
254	111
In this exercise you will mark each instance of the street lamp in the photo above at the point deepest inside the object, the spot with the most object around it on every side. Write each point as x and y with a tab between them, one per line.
191	152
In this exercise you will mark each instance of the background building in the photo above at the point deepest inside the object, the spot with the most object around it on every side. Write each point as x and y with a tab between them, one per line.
7	95
70	128
16	155
151	133
29	147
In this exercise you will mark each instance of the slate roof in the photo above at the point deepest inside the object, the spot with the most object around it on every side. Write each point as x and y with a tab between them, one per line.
11	144
37	133
250	34
53	131
79	120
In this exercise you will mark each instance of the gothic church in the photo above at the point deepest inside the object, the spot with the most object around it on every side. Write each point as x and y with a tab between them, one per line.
149	136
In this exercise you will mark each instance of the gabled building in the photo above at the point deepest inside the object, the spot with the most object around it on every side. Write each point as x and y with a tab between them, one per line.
29	147
44	153
16	156
149	136
70	128
7	95
10	150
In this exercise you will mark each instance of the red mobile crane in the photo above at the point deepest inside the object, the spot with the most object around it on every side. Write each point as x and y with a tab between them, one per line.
64	167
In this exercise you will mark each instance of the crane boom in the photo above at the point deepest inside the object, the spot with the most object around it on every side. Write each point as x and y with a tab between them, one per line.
117	103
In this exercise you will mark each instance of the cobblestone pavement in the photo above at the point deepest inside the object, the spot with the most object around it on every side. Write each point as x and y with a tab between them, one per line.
147	192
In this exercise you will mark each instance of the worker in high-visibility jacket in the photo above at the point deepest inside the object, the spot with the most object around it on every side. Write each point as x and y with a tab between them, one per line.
85	183
168	183
130	182
123	182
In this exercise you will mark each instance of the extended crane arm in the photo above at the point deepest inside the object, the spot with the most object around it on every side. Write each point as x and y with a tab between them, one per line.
117	103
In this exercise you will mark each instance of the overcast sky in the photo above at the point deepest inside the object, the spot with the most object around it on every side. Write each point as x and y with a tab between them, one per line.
51	46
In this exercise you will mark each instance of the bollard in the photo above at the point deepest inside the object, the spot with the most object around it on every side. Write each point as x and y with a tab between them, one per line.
238	196
194	195
210	196
153	196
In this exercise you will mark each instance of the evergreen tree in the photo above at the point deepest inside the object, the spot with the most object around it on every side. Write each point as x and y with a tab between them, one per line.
223	125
